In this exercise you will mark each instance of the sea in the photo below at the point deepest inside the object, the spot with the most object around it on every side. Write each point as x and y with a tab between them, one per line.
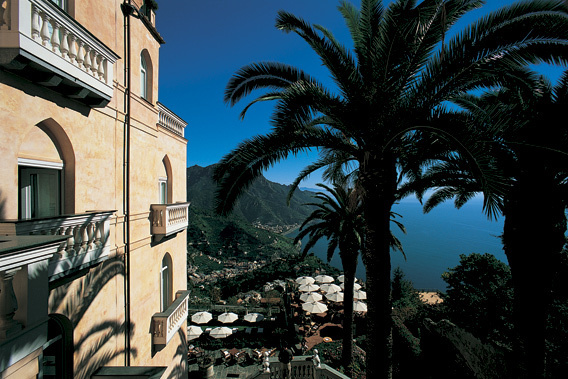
434	241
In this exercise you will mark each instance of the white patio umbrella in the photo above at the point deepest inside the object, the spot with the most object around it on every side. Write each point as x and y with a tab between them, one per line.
314	307
359	294
341	278
305	280
221	332
253	317
335	297
356	286
324	279
227	317
310	297
330	288
309	288
201	317
359	306
194	332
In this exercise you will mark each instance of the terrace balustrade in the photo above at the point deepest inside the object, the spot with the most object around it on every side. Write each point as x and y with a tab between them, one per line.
302	368
23	275
170	121
166	324
88	241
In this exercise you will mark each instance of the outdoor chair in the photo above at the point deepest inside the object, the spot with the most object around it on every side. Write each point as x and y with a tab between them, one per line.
241	357
257	355
225	356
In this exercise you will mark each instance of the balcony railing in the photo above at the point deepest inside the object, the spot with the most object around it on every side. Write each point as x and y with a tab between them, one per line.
88	242
21	261
37	35
302	368
168	219
170	121
166	324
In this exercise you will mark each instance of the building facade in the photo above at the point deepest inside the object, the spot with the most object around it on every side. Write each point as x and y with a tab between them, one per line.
93	273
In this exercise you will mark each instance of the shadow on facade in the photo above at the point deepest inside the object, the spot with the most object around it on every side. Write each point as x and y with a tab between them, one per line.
15	81
103	342
180	355
2	206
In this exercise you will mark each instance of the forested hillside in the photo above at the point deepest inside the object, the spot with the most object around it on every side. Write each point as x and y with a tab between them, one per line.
264	202
233	238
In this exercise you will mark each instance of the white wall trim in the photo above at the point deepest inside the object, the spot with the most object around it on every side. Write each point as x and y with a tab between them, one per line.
41	164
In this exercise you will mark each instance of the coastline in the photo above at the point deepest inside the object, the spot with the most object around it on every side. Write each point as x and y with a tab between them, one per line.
430	298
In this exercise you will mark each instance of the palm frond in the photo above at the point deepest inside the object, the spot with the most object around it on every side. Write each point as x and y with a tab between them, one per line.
261	75
332	54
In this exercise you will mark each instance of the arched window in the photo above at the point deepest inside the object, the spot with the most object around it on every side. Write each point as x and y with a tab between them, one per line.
58	351
166	275
145	75
46	172
165	182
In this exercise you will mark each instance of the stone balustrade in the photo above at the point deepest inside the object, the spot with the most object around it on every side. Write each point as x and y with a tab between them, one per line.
88	241
168	219
8	305
51	30
170	121
166	324
49	37
302	368
326	372
23	287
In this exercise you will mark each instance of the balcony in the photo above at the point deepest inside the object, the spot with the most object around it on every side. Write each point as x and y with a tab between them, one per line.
88	241
166	324
43	44
168	219
170	121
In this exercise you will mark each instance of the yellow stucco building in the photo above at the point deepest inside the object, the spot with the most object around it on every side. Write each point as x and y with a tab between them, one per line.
93	273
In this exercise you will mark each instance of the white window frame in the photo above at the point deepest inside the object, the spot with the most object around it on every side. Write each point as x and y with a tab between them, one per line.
143	77
25	194
166	273
162	194
60	3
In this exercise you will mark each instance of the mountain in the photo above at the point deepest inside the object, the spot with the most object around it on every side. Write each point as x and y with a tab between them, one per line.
308	189
264	202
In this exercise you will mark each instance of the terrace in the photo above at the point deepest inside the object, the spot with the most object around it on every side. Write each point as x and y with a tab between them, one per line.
247	347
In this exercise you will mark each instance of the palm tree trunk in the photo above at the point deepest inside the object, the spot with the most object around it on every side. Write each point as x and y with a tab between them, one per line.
349	262
379	190
533	237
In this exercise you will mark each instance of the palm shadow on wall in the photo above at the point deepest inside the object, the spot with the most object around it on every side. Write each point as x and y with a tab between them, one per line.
97	347
180	356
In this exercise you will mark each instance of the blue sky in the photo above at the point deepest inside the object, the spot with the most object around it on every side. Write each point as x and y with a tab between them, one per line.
208	40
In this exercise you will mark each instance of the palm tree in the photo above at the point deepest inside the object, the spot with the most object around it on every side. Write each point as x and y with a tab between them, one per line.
390	94
530	146
338	217
534	209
